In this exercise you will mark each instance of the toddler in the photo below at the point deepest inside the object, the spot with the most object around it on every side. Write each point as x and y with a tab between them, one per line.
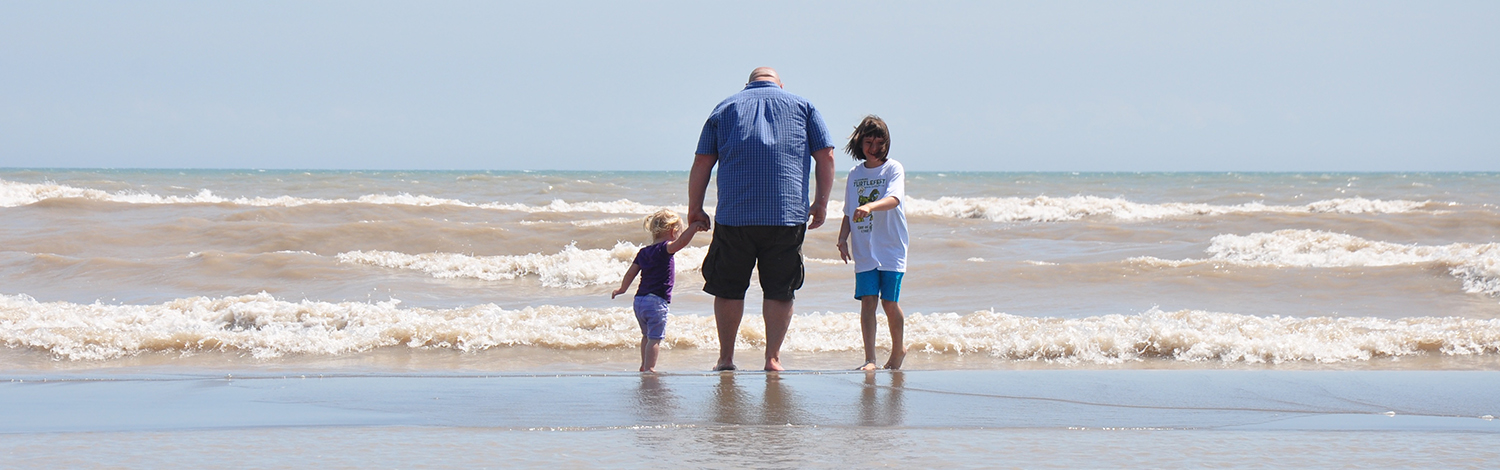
658	272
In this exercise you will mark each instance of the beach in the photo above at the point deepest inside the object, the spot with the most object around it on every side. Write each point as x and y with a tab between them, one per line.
820	419
252	318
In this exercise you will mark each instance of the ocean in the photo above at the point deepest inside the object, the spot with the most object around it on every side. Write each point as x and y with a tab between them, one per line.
115	279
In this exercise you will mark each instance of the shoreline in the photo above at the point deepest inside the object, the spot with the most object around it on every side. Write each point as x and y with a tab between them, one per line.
1050	399
539	359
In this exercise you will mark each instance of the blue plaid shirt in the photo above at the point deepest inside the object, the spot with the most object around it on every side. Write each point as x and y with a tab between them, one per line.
764	138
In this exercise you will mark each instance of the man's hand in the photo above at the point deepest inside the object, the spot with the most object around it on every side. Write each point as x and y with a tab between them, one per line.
817	213
619	291
700	221
703	169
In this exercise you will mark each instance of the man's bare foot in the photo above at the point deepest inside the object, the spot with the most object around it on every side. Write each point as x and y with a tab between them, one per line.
723	367
773	365
896	360
869	365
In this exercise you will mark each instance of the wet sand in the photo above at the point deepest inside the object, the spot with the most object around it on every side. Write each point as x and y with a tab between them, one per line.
792	419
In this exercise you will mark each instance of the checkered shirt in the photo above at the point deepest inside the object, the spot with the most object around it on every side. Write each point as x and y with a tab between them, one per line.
764	138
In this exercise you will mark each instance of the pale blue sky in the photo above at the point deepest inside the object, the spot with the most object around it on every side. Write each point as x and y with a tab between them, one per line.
1037	86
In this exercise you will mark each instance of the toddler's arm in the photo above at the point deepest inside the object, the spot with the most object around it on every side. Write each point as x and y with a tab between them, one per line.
686	237
629	279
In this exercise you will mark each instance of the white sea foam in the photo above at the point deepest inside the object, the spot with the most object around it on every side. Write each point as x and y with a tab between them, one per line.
265	327
571	267
1476	264
1010	209
13	194
1193	335
824	260
587	223
1056	209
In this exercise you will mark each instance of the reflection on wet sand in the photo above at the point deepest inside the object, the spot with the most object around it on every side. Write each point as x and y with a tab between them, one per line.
890	411
654	401
778	405
758	430
880	402
728	406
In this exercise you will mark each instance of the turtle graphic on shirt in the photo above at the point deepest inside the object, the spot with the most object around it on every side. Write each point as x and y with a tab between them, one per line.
874	196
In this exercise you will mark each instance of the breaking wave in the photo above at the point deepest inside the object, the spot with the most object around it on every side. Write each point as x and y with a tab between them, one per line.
13	194
572	267
1008	209
1058	209
262	326
1476	264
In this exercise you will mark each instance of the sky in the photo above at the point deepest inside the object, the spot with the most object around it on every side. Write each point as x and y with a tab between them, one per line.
594	85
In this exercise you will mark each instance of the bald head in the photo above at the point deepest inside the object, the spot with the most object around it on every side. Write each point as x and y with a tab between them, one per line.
765	73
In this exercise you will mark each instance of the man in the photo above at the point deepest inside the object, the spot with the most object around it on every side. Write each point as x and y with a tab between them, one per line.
764	141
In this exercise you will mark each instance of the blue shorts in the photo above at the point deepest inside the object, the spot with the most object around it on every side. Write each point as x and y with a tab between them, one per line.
651	314
886	284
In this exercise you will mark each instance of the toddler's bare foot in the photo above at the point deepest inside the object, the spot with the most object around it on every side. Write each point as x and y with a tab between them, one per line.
896	359
869	365
773	364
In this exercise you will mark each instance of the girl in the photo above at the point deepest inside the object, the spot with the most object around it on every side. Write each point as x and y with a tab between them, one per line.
873	234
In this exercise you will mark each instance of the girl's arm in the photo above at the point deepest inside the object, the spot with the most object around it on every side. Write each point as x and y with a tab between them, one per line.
844	240
629	279
686	237
884	204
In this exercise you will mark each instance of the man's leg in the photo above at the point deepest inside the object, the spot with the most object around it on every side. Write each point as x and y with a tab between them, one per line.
781	274
778	315
727	315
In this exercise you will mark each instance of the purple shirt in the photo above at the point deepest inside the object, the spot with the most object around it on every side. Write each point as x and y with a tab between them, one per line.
658	271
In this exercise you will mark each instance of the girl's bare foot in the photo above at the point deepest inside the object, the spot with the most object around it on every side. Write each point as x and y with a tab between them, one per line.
724	367
773	364
869	365
896	360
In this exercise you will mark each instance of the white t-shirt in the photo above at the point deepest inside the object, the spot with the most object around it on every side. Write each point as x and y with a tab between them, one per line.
879	241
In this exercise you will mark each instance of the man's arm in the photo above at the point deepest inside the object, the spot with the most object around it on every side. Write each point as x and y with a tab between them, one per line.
843	243
819	210
703	169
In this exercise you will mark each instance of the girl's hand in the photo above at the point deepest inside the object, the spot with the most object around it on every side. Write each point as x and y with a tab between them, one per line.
862	212
844	251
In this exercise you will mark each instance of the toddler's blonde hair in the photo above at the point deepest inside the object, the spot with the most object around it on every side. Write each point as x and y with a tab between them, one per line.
663	220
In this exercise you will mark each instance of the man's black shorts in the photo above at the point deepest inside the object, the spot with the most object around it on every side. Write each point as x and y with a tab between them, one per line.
775	250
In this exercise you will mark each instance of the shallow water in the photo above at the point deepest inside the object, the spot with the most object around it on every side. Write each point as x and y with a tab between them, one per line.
233	319
106	268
